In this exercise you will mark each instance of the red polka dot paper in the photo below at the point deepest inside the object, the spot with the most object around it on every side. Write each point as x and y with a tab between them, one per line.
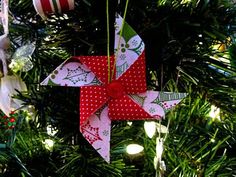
92	98
134	79
125	108
99	66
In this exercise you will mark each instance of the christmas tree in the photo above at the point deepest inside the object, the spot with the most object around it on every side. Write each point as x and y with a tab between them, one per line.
190	48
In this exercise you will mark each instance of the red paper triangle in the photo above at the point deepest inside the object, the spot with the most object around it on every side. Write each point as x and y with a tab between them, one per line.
98	65
125	108
91	99
134	79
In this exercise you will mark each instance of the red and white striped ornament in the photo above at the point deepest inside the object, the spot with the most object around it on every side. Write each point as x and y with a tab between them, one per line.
45	7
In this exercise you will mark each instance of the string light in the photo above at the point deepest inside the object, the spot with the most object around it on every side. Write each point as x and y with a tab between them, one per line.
48	144
162	128
215	113
185	1
51	131
134	149
150	128
213	140
129	123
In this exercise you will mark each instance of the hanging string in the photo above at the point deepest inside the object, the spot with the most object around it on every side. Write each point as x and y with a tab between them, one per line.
118	8
177	78
108	42
121	32
162	75
160	165
159	152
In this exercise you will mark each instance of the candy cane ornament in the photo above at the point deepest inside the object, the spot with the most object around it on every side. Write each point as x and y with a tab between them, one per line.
46	7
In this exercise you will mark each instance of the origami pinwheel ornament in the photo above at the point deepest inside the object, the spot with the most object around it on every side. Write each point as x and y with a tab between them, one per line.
122	97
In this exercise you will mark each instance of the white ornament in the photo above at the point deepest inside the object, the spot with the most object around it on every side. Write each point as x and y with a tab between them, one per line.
8	87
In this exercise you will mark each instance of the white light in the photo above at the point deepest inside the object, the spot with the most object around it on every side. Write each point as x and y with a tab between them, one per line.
65	16
215	113
129	123
51	131
185	1
213	140
48	144
134	149
150	128
162	128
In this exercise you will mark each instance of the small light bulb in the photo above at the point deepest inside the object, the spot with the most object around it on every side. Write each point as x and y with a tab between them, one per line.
215	113
48	144
150	128
51	131
213	140
162	128
129	123
134	149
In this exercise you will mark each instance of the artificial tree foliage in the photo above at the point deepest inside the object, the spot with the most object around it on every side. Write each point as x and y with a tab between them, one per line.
190	47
